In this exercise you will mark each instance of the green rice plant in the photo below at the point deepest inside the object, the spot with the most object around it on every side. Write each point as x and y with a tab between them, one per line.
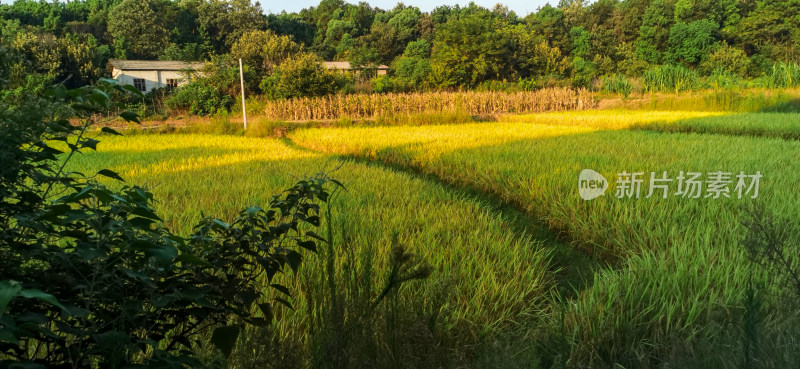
493	275
778	125
680	270
669	78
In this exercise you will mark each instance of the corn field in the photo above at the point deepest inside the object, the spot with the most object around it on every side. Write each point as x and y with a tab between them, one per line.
475	103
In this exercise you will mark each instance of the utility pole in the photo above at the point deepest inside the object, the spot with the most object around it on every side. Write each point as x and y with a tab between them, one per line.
244	107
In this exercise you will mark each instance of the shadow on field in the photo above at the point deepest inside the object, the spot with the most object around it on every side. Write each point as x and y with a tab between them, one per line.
765	124
574	269
790	106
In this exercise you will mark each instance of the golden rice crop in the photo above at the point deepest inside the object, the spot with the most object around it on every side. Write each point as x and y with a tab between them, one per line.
471	102
496	274
680	263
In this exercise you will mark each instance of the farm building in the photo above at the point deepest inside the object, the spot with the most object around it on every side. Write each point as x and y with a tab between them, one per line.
147	75
345	67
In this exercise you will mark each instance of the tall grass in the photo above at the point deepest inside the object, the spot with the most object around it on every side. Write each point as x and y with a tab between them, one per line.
784	75
720	100
472	103
617	84
669	78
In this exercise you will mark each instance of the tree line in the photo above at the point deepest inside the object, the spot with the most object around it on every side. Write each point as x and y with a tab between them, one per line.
573	43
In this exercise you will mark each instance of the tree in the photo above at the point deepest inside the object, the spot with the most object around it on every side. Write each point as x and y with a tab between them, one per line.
223	22
139	25
470	49
549	23
392	31
411	70
264	50
292	25
583	70
690	43
726	58
654	32
772	29
301	76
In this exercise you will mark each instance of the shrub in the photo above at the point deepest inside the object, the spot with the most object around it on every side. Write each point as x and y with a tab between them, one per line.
728	59
200	97
89	278
300	77
382	84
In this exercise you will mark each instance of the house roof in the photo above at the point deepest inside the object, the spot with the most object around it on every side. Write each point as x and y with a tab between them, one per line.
345	65
154	64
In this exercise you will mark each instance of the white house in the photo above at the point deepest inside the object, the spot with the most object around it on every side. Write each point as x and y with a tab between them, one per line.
147	75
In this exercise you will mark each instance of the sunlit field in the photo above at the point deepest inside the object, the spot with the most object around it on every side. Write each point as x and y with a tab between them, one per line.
681	266
674	274
781	125
485	276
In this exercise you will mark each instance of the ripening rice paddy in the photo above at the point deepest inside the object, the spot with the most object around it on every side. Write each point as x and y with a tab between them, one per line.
676	273
779	125
681	265
467	243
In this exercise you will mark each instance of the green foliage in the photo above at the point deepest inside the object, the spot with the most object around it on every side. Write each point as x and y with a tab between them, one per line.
90	278
413	68
722	78
669	78
383	84
224	22
138	23
784	75
574	42
469	50
264	50
200	97
301	76
690	43
729	59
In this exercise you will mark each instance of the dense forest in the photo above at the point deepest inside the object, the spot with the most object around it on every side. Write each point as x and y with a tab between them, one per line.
575	43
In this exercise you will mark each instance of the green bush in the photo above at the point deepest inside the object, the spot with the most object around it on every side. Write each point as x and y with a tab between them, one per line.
90	278
300	77
383	84
728	59
200	97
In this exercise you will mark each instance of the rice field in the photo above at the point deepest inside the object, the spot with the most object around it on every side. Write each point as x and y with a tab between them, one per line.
777	125
680	263
676	274
466	241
